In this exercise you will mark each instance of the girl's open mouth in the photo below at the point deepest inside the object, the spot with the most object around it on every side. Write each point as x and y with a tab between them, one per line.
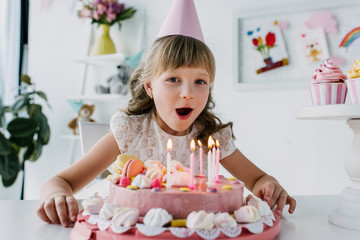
184	113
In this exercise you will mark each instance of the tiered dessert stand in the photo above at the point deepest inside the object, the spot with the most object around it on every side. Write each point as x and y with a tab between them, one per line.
347	214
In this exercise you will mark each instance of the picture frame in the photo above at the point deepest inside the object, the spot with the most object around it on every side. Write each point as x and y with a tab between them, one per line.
298	72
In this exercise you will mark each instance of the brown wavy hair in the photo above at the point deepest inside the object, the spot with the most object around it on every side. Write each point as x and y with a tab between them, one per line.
166	54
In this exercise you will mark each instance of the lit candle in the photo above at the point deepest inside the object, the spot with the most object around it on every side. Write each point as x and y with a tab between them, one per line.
217	160
210	167
168	160
192	148
201	159
213	163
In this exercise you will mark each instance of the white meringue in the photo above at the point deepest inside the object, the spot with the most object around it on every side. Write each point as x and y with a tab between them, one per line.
125	216
200	220
141	181
157	217
180	179
224	220
107	211
93	204
154	172
261	205
152	163
247	214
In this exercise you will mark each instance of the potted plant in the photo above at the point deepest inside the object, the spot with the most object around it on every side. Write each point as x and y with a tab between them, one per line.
105	13
24	130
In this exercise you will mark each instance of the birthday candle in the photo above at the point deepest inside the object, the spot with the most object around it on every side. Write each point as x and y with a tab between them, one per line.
213	163
192	148
210	164
217	160
168	160
201	159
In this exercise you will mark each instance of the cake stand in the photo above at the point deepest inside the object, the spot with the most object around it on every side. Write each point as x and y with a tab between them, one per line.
347	214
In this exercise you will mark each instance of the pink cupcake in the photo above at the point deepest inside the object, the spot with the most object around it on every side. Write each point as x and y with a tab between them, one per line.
328	85
353	82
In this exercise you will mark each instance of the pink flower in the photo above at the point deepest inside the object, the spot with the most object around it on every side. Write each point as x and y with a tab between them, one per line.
85	12
101	9
110	16
95	16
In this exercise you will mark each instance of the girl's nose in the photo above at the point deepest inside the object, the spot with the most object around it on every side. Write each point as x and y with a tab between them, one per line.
187	92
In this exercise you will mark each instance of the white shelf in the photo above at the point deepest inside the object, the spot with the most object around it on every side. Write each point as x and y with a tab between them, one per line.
332	112
106	59
101	97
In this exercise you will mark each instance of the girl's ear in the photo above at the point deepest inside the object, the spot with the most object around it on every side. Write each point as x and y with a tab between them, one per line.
148	89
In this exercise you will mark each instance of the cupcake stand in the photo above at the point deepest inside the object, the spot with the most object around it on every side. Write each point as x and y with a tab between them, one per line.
347	214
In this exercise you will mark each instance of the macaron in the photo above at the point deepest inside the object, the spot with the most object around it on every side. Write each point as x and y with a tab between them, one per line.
132	168
120	162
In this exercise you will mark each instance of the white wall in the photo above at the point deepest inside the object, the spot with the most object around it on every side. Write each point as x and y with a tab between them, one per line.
306	156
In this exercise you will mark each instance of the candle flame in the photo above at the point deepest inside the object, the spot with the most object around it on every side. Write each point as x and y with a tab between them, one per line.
210	142
169	145
192	145
217	143
199	142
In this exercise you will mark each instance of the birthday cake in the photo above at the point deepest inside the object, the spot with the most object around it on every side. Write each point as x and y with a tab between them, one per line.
145	201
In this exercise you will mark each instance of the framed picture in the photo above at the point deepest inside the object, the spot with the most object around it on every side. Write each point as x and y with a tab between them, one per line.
277	48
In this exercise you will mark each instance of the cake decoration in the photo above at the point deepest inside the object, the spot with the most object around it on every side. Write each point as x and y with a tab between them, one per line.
157	217
247	214
132	168
124	182
107	211
185	189
121	161
93	204
125	216
224	220
227	187
200	220
260	205
131	187
141	181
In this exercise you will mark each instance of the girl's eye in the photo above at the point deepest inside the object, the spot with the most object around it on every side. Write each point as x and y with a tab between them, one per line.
201	82
173	79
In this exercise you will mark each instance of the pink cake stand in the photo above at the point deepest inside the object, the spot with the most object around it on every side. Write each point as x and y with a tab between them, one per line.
347	214
83	230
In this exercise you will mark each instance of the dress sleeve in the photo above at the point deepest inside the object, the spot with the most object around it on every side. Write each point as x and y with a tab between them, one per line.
227	145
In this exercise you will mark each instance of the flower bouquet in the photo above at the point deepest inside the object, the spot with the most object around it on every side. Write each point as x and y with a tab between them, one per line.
105	13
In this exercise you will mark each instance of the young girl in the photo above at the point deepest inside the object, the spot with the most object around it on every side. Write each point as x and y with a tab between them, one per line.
171	98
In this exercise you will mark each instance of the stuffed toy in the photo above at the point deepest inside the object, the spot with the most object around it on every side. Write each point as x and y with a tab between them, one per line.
83	116
116	84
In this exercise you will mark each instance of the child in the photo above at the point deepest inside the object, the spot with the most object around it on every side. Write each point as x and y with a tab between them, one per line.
171	97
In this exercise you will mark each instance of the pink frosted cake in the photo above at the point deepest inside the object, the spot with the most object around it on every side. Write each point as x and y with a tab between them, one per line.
328	84
142	206
353	82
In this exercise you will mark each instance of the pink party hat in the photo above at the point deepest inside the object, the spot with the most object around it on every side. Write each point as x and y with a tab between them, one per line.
182	20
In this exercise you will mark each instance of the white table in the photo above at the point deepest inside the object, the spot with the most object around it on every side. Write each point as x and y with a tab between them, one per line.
347	214
18	221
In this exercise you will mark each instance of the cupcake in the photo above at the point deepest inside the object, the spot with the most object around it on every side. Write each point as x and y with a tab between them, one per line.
353	82
328	84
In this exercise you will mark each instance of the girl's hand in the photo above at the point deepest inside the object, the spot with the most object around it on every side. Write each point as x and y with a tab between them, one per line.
268	189
59	208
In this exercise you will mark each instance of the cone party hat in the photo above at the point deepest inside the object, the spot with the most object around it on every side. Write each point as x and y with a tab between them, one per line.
182	20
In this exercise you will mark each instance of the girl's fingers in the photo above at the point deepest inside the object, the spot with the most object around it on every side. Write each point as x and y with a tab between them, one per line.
268	192
281	201
72	207
50	210
42	214
62	211
292	202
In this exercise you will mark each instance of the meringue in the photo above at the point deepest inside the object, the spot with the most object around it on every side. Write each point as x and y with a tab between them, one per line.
157	217
180	179
93	204
152	163
141	181
261	205
154	172
200	220
107	211
224	220
247	213
125	216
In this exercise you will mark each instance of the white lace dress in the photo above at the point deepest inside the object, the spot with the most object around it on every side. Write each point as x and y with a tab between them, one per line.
141	136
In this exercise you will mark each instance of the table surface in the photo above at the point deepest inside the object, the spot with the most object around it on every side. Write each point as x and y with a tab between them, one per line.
310	221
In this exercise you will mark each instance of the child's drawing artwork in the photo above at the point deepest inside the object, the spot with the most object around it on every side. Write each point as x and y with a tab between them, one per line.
269	47
315	45
350	37
324	20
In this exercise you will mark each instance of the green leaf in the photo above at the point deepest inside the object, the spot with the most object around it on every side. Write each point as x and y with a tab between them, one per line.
22	127
29	151
37	151
22	142
42	95
5	146
44	129
33	109
9	168
20	103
